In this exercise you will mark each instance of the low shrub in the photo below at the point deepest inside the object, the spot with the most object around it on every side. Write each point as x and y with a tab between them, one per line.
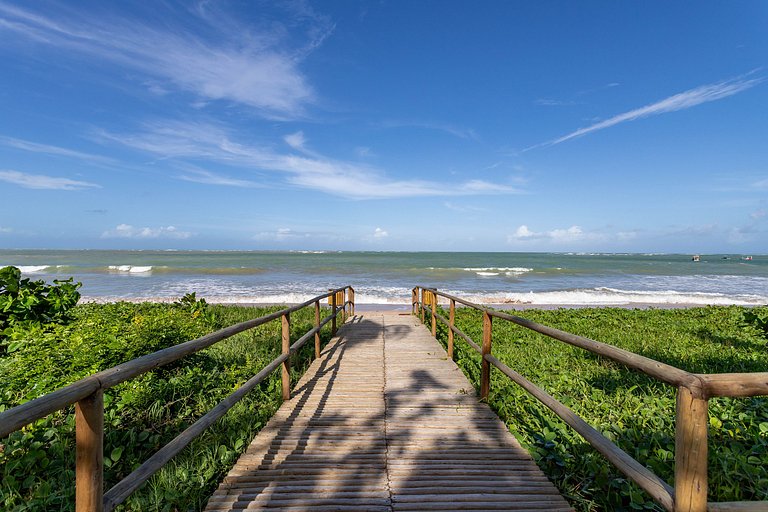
634	411
144	413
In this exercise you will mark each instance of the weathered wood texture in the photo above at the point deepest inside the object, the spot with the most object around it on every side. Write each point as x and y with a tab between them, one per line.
385	421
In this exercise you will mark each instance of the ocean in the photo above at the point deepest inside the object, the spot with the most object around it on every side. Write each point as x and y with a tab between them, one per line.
538	279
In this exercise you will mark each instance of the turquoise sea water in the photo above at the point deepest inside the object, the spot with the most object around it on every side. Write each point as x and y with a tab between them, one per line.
388	277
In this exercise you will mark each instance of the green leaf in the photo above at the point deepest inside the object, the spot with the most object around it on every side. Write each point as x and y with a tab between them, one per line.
116	453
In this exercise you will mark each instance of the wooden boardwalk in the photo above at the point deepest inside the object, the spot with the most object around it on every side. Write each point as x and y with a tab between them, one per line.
383	421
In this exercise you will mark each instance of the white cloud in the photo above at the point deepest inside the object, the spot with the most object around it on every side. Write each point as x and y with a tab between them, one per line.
681	101
560	235
128	231
364	152
5	230
296	140
758	214
200	141
34	147
523	232
248	64
41	182
762	184
380	233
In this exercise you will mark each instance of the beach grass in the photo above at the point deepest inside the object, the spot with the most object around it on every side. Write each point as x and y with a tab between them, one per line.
634	411
144	413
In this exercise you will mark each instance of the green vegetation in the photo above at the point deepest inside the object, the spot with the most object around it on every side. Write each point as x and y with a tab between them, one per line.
142	414
634	411
25	304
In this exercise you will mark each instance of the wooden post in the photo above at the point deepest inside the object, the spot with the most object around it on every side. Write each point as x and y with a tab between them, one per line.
451	321
690	452
421	304
286	367
333	310
414	300
317	325
351	301
434	312
485	366
89	466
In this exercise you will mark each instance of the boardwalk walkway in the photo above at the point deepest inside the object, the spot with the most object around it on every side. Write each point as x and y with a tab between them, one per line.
383	421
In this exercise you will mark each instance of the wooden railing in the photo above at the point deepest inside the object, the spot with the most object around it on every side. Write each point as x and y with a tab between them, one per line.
88	396
691	419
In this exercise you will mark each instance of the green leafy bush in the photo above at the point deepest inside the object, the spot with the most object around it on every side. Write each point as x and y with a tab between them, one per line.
32	304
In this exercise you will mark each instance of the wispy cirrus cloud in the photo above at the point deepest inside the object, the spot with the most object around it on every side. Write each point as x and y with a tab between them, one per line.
209	55
456	131
210	178
34	147
42	182
196	142
681	101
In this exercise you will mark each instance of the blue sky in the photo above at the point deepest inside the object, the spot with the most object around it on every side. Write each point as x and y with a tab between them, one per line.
478	126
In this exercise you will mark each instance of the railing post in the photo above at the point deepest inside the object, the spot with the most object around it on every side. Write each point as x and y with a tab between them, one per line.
421	304
485	366
414	300
351	301
89	453
333	311
286	367
690	452
451	321
317	326
434	312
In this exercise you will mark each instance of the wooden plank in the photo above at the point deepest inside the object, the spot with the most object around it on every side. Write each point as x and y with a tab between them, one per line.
383	417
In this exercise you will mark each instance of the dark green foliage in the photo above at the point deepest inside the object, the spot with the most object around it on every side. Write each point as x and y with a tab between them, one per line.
758	320
144	413
634	411
32	304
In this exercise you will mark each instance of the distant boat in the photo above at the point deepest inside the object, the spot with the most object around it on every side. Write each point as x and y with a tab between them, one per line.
747	258
696	257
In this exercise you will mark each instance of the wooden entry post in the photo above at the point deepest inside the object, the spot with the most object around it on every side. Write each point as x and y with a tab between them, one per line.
286	366
433	299
333	310
485	366
451	321
351	301
690	452
89	453
414	300
317	326
421	304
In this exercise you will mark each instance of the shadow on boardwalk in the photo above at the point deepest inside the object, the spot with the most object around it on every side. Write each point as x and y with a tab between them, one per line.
383	421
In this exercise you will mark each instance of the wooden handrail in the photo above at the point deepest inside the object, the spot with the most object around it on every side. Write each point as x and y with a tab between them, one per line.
87	395
693	392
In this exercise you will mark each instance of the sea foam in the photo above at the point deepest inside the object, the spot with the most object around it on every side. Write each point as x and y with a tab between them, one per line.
131	269
30	269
